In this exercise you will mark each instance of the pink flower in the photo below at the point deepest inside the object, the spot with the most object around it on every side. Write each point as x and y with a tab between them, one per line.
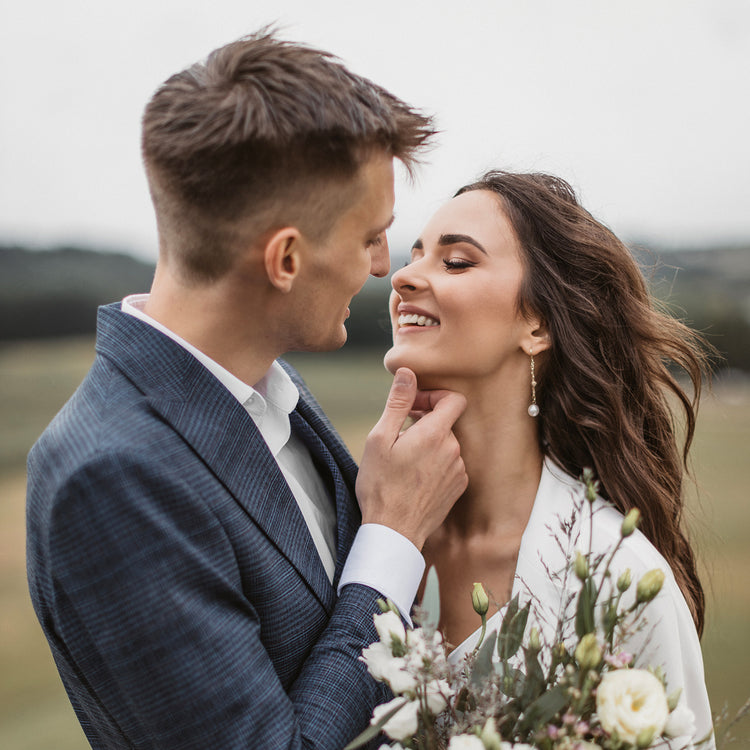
619	660
553	732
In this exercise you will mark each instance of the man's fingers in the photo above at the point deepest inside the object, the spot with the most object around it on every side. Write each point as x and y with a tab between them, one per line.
427	400
399	403
448	407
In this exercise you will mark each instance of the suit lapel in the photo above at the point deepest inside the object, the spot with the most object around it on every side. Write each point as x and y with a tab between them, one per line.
347	515
220	432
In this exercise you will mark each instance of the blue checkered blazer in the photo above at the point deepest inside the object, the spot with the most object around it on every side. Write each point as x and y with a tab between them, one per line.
172	571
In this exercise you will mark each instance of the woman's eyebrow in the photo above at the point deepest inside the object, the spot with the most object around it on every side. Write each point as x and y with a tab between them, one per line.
454	239
417	245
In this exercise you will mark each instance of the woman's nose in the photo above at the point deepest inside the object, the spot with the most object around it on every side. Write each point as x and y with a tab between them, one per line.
407	278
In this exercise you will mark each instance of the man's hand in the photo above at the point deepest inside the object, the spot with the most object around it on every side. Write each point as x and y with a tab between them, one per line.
409	480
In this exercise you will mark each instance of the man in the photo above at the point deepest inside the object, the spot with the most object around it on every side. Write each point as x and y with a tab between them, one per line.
196	553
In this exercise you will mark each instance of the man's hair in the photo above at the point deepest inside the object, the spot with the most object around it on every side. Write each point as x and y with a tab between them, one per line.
269	132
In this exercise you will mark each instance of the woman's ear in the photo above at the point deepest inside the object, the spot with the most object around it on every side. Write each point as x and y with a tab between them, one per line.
537	338
281	256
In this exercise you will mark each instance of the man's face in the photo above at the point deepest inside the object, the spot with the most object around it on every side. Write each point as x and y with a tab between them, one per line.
334	270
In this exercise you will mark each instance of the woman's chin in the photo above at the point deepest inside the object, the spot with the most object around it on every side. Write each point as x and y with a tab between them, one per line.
394	359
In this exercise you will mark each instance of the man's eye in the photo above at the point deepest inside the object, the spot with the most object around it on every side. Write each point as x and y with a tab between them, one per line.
375	242
452	264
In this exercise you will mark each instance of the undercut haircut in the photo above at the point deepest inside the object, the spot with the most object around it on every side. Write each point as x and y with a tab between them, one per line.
263	134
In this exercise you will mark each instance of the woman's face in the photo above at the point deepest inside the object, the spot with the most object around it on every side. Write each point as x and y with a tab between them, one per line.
454	307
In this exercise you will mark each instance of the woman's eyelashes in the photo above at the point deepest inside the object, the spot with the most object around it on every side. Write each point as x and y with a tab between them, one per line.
457	264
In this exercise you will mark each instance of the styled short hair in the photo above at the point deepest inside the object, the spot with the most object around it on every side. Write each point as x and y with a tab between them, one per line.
266	130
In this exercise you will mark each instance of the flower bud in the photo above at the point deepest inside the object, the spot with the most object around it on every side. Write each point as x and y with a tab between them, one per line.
645	737
534	642
630	522
479	599
624	581
581	566
592	486
588	652
649	586
673	699
490	736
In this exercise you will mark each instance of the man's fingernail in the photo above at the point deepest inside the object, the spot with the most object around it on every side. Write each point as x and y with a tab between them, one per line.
402	377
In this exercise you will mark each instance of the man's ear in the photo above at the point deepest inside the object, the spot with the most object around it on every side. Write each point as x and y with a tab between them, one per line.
281	256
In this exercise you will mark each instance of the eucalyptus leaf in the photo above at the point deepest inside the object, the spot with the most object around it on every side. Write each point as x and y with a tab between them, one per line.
374	729
431	600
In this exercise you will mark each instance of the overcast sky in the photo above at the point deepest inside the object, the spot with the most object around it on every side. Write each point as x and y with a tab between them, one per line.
644	105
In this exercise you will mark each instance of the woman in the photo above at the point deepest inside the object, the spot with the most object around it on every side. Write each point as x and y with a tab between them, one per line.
516	297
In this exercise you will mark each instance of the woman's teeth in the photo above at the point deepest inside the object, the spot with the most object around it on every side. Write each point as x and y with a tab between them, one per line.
417	320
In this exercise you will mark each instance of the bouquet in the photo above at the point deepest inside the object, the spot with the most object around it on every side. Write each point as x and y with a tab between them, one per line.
579	692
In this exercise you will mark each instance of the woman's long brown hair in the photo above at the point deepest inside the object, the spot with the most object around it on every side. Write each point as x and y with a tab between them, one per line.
604	382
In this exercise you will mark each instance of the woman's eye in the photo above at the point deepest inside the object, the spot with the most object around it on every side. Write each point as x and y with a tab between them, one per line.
453	264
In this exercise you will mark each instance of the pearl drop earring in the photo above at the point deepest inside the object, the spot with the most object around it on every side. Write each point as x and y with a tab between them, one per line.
533	407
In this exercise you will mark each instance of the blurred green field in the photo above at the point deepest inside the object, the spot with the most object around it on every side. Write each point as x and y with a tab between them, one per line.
36	378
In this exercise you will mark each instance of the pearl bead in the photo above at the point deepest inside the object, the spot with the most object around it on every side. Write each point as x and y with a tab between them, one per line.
533	410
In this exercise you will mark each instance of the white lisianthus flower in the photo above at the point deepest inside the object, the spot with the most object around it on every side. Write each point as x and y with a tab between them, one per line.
681	722
383	666
465	742
389	626
437	693
378	658
403	724
632	702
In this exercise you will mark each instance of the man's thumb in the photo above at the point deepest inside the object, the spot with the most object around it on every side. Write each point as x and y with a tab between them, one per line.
400	401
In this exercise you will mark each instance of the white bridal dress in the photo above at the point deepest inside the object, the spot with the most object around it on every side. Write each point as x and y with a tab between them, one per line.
669	639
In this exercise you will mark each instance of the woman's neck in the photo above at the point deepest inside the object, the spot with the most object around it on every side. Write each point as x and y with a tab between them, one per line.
500	448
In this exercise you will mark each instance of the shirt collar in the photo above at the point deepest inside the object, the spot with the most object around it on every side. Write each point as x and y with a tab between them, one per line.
275	387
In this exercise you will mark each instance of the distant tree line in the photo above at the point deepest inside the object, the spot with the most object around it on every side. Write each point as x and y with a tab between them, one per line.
56	293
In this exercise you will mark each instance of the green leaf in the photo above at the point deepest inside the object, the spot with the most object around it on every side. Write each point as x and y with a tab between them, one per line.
511	680
512	630
374	729
535	682
585	619
544	708
465	701
482	666
431	600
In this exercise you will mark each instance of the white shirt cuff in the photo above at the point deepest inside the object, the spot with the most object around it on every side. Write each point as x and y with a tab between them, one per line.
386	561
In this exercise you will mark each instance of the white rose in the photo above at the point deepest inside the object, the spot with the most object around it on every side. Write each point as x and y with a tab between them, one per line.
403	724
465	742
631	701
389	625
387	668
681	722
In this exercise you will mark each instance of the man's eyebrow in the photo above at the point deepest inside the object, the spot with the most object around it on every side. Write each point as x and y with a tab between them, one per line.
417	245
388	225
455	239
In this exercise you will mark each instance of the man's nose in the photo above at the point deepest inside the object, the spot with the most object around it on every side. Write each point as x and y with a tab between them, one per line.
380	260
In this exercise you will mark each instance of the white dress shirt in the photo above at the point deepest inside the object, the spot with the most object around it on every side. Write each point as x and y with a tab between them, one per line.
380	557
